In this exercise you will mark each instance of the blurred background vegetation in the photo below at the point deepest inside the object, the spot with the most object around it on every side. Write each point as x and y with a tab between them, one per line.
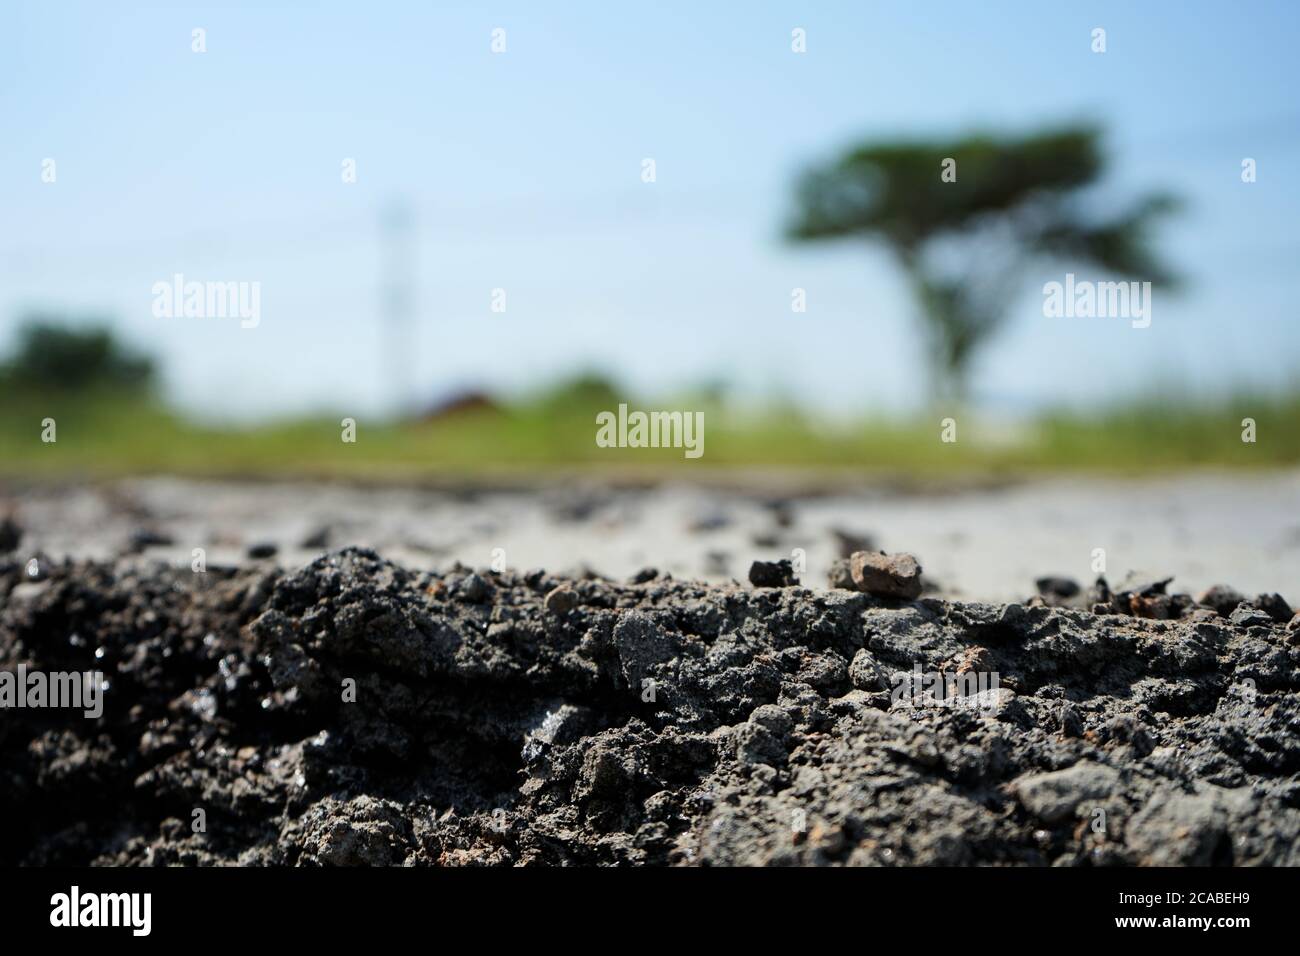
816	172
968	245
112	421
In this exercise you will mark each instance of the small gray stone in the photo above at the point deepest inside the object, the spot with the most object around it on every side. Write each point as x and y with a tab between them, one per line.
642	646
473	589
762	738
773	718
1190	829
865	673
1247	616
1053	797
1071	722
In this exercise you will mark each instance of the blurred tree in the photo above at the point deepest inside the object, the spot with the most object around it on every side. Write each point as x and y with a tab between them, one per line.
56	357
586	393
966	232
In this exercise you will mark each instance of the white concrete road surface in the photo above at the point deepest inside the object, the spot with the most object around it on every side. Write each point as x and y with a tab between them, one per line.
1205	528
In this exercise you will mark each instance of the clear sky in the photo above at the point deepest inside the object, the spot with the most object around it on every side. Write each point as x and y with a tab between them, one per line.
524	172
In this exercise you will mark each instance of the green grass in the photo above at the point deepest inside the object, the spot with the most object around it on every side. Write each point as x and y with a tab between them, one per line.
103	435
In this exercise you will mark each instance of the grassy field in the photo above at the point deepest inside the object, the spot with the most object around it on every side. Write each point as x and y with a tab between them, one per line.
105	434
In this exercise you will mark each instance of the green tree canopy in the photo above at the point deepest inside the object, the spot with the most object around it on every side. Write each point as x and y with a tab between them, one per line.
967	239
56	357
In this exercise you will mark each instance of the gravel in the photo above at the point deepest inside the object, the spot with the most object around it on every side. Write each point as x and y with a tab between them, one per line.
356	712
978	543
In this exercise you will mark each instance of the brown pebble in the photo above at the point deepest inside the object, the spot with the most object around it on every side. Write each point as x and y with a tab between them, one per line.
562	600
886	575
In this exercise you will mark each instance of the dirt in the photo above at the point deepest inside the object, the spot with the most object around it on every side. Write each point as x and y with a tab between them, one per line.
355	712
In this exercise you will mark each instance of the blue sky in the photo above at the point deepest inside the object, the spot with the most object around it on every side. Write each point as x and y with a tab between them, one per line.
523	170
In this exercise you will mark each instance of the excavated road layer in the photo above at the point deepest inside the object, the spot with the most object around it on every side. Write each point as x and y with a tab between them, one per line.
492	725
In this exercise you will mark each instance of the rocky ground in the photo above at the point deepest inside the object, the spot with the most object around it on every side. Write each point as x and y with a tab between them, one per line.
986	542
352	711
